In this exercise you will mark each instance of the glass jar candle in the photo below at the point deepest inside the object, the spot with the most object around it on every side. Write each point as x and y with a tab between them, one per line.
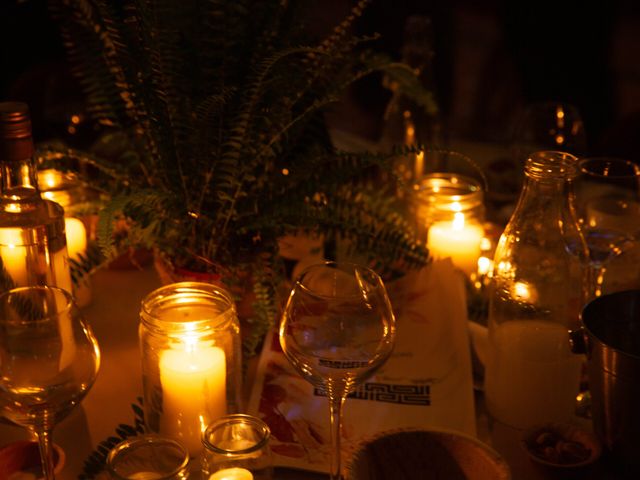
66	190
149	457
236	447
450	214
191	360
75	197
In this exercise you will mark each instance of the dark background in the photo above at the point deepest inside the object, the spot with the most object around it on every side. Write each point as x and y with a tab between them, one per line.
491	60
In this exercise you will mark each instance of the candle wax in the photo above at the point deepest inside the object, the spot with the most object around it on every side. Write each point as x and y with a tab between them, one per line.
76	237
193	379
232	474
145	476
457	240
14	255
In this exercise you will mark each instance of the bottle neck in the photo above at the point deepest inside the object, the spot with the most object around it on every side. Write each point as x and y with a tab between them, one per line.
548	182
19	180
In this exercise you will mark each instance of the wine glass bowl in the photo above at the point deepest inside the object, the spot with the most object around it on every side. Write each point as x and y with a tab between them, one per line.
608	200
49	360
337	329
548	125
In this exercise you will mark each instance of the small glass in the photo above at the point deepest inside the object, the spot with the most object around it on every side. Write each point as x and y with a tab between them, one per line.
236	447
191	360
149	457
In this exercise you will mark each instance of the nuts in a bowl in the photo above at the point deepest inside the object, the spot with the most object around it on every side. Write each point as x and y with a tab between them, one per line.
562	445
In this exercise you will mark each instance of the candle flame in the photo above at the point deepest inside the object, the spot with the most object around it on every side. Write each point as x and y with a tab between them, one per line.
458	221
50	178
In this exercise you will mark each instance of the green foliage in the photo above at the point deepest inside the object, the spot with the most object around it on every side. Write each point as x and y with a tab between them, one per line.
216	142
96	462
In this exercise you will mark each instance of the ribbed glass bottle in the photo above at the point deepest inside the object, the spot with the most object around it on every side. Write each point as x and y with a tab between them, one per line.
537	291
33	246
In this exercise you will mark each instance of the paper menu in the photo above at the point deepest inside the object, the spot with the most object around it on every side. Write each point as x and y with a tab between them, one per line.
426	383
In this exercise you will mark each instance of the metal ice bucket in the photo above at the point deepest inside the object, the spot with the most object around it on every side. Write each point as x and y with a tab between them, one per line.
610	337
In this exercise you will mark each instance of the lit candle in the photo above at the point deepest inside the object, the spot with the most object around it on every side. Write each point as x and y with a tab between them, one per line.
14	255
145	476
458	240
54	186
193	379
76	237
232	474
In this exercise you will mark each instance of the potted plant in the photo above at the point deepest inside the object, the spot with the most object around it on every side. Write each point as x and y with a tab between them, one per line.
215	144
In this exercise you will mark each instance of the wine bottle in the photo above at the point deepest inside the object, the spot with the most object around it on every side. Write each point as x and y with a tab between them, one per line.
33	246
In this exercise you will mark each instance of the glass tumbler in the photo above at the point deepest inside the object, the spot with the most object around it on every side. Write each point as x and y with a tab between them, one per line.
236	447
149	457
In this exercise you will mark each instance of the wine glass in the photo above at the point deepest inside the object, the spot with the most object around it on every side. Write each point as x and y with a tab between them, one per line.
337	328
49	359
548	125
608	203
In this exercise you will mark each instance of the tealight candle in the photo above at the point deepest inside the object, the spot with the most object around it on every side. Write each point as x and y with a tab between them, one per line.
236	447
232	474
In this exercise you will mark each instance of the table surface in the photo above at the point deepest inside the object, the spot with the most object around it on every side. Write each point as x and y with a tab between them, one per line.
113	314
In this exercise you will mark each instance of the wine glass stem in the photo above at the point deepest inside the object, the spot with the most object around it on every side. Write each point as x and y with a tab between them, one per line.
597	277
45	445
335	407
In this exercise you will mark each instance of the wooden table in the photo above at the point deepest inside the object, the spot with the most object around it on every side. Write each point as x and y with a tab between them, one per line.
113	314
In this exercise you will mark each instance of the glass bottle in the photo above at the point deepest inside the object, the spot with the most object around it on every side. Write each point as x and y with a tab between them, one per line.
536	293
33	246
191	360
405	121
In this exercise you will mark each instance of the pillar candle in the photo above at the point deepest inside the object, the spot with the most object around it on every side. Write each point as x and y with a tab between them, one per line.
76	237
458	240
14	255
193	379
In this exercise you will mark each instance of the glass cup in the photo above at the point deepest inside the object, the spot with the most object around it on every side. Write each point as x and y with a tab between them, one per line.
236	447
149	457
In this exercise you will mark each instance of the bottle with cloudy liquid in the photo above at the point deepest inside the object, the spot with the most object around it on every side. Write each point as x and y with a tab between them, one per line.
537	290
33	247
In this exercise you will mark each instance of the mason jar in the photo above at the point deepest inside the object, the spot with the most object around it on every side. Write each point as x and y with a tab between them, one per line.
450	214
191	360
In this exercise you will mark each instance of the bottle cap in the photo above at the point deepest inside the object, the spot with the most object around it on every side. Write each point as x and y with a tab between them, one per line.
15	131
